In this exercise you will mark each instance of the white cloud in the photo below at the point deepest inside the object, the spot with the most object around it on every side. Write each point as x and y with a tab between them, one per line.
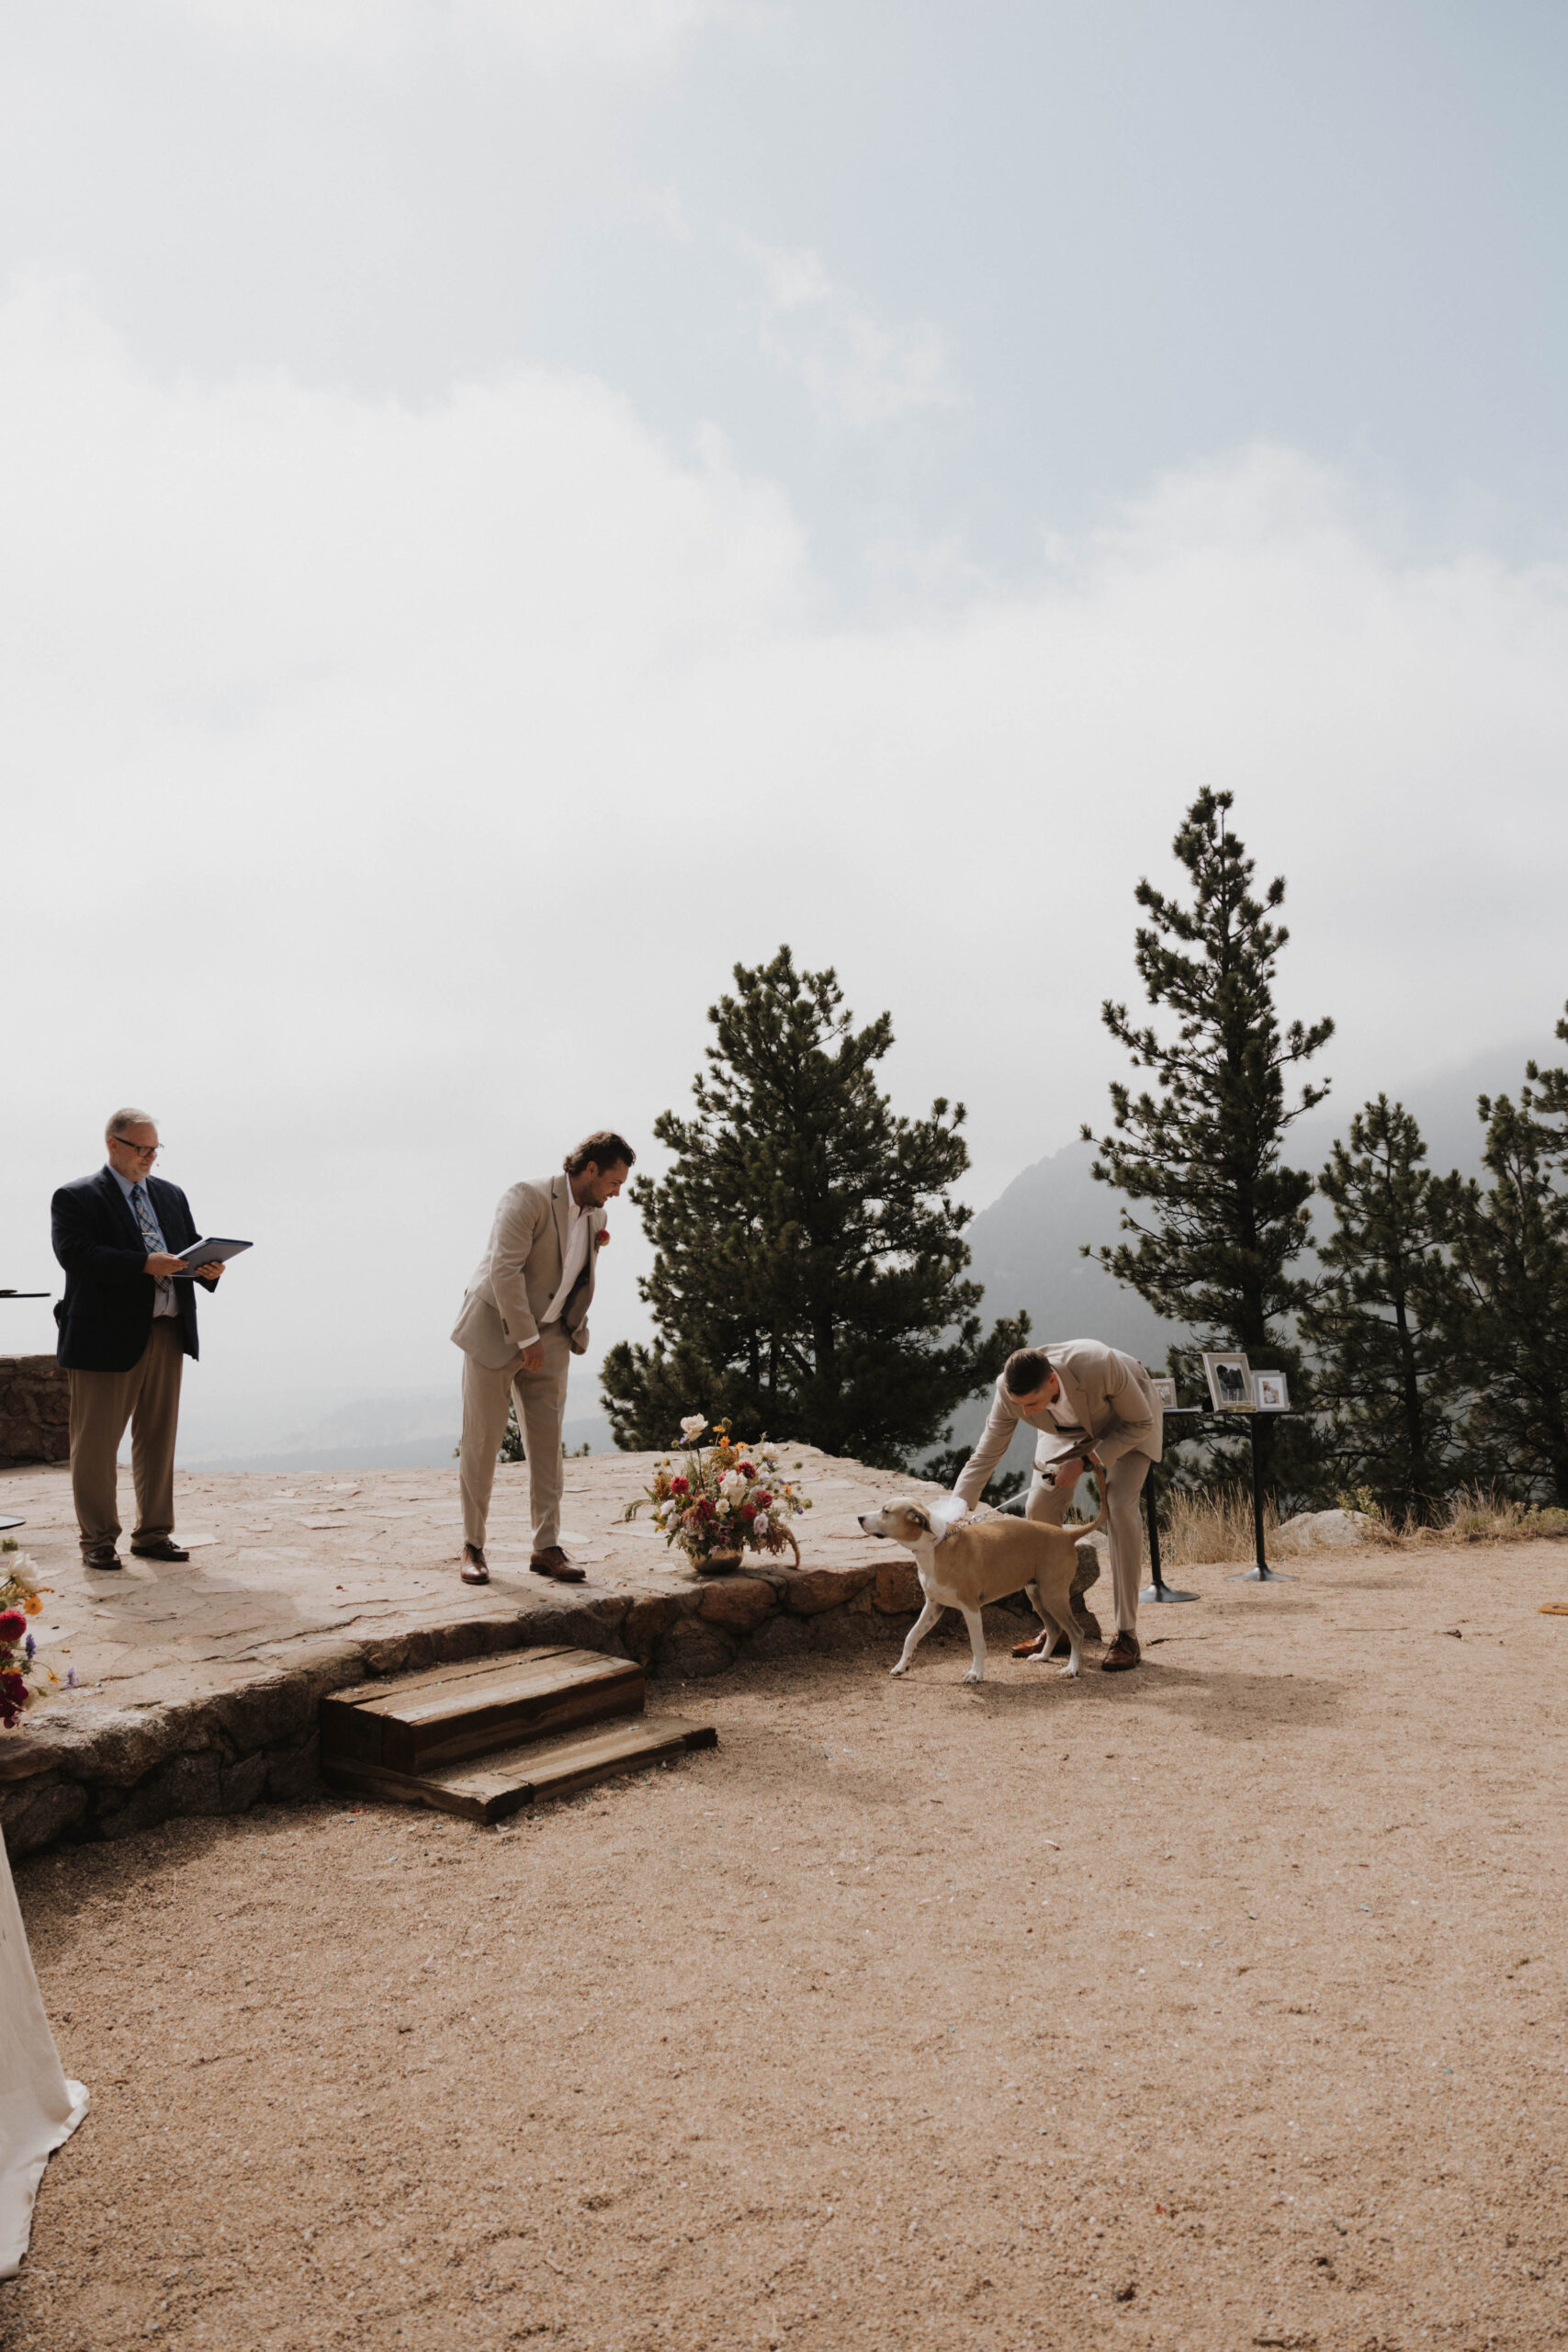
391	789
858	370
556	32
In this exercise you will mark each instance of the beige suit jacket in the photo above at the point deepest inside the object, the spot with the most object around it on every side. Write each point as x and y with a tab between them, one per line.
1107	1393
520	1273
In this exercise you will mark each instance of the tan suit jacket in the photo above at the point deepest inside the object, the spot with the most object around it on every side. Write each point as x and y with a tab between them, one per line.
1109	1394
520	1273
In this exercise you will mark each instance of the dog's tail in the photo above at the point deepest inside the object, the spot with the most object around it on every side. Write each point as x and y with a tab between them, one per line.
1078	1528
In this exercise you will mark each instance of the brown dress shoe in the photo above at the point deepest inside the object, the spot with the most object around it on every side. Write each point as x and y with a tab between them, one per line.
553	1562
1031	1648
1122	1655
475	1568
162	1550
102	1555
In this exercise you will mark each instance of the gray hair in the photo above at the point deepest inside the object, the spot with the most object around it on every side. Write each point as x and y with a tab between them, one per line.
130	1117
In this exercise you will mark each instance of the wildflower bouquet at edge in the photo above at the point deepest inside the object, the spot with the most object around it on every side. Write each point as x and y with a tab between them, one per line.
728	1498
20	1667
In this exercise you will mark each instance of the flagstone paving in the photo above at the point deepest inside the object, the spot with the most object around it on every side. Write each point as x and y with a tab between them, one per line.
209	1672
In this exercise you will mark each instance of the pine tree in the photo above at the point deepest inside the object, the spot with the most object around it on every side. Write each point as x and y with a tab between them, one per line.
808	1267
1379	1322
1509	1329
1226	1220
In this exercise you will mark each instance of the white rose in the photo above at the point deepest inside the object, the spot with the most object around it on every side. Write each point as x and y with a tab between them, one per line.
722	1508
692	1424
760	1522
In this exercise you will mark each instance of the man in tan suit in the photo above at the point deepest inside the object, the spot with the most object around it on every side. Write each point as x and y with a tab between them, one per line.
525	1316
1091	1406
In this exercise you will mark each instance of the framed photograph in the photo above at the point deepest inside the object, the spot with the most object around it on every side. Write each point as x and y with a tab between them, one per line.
1271	1392
1164	1389
1230	1383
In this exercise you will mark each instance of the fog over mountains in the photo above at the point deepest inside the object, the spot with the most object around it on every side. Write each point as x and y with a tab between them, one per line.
1026	1247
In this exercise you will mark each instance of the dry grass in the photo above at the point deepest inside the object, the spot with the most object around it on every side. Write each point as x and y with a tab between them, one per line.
1481	1515
1200	1529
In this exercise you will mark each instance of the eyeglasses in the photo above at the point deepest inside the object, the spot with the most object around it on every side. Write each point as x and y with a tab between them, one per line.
139	1150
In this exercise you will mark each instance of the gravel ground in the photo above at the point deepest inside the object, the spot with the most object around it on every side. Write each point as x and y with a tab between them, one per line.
1221	2004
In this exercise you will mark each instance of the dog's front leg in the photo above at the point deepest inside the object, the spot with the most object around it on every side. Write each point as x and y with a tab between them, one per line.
917	1634
976	1624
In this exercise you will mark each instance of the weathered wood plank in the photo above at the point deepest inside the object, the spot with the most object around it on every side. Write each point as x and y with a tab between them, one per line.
502	1784
527	1694
461	1669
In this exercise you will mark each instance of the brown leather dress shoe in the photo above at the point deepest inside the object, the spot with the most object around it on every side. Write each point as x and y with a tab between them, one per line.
162	1550
102	1555
475	1568
1122	1655
1031	1648
553	1562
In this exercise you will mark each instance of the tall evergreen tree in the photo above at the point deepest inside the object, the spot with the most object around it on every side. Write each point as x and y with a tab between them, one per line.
1379	1322
1510	1252
808	1267
1225	1219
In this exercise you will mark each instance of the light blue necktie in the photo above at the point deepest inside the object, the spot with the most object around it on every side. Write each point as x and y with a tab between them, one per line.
155	1243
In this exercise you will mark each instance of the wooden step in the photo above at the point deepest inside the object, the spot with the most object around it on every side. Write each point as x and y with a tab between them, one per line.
418	1723
497	1785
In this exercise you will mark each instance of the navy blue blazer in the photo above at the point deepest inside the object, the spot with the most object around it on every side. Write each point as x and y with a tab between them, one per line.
106	1317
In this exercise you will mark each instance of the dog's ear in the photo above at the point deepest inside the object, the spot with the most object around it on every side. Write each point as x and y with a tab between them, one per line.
920	1517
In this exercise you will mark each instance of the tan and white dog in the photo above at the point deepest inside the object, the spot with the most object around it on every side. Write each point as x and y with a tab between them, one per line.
967	1567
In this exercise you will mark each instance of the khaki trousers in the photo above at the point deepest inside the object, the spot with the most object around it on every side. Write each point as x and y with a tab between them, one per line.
148	1396
1124	1484
541	1411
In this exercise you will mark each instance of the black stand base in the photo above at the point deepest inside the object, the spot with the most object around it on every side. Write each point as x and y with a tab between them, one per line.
1165	1592
1261	1574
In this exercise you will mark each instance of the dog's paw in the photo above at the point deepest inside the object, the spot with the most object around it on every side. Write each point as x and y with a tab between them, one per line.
1069	1673
974	1675
902	1668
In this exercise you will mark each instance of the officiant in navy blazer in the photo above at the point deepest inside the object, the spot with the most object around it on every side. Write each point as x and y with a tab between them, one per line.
127	1324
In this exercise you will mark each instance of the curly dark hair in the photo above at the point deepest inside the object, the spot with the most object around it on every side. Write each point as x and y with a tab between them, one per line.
603	1147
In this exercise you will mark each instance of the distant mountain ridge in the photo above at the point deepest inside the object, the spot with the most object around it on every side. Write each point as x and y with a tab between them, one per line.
1026	1247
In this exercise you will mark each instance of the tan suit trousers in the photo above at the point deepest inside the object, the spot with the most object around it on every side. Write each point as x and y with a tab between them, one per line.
1125	1484
148	1396
541	1411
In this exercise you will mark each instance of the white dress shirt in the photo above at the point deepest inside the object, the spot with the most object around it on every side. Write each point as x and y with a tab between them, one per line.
573	1259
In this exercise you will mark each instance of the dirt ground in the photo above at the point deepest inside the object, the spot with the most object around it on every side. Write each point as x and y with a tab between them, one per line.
1217	2005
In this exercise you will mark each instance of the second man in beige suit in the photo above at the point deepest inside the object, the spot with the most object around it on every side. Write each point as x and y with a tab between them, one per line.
1089	1405
525	1316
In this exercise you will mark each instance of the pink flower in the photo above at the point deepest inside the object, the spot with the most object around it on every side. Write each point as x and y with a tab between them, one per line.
763	1502
13	1626
680	1486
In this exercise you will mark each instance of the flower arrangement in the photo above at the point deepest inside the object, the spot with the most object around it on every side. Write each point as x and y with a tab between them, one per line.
19	1668
728	1498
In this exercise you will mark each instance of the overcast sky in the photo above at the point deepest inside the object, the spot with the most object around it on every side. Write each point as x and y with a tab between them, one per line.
510	505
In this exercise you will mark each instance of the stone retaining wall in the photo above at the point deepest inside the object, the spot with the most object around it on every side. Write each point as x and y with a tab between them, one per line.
35	1411
81	1770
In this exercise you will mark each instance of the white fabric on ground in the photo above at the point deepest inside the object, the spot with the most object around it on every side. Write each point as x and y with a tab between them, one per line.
39	2108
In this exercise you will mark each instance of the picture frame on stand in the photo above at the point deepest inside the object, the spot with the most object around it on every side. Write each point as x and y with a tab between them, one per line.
1271	1392
1230	1382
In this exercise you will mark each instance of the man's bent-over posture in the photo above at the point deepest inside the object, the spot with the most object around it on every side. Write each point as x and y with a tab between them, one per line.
127	1324
1089	1405
524	1317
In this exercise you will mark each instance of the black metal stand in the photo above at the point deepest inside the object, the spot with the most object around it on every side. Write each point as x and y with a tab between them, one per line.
1262	1573
7	1525
1157	1588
